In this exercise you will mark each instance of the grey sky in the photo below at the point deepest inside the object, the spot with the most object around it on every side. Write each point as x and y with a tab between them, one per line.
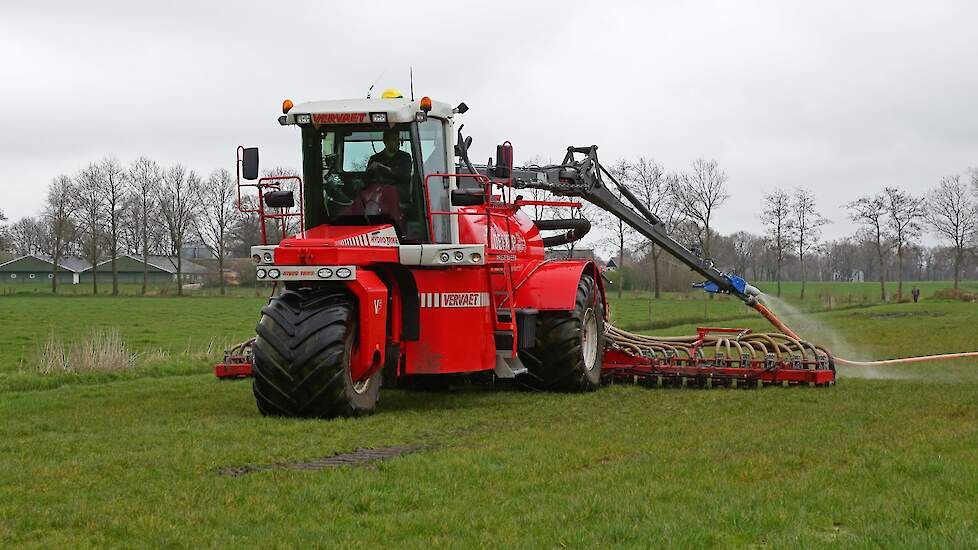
842	97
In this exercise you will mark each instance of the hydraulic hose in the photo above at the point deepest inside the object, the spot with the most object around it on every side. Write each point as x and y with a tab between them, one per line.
576	228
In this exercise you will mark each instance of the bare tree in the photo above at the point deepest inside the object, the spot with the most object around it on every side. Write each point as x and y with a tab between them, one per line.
114	189
246	230
90	201
807	222
27	236
953	214
4	237
776	217
217	214
59	217
130	240
145	178
652	187
176	198
698	193
870	212
904	212
622	234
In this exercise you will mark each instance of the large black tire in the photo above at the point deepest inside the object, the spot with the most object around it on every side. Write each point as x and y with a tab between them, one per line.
569	344
302	358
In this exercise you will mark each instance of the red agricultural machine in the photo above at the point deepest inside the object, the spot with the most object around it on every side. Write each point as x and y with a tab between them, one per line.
411	265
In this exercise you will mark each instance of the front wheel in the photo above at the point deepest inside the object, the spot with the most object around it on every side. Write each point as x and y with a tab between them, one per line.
569	344
302	358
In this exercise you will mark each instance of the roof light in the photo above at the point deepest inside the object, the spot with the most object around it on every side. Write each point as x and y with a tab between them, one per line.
378	118
286	106
391	93
426	104
303	119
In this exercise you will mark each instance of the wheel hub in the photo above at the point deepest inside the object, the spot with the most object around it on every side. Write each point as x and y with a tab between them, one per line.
589	339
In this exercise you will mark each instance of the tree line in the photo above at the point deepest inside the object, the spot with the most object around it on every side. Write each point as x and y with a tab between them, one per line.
791	247
106	210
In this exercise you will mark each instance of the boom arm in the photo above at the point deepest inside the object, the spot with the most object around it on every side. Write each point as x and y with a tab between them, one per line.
585	178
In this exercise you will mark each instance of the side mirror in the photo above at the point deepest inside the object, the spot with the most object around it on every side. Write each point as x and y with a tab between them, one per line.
504	159
279	199
468	197
249	163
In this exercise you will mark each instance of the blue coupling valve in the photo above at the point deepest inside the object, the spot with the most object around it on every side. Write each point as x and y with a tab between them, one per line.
738	283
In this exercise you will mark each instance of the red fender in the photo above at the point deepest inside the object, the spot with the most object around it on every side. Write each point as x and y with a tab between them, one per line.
371	293
553	285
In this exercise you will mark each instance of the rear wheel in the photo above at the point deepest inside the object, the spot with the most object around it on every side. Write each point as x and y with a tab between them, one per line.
302	358
569	344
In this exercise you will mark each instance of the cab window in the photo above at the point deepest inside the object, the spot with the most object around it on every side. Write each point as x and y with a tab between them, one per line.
363	175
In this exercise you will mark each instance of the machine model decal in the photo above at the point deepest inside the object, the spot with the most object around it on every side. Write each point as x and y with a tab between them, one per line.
502	240
359	240
454	299
386	237
339	118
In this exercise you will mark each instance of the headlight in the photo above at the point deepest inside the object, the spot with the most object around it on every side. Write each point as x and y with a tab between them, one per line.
325	273
268	257
260	273
273	273
459	256
343	272
444	257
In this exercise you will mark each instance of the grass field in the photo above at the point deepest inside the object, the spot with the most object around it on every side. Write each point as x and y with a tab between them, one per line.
885	458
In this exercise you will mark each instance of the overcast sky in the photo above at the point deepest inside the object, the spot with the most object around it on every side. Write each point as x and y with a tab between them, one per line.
842	97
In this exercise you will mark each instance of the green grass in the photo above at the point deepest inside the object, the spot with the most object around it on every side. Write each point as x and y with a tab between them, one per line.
123	462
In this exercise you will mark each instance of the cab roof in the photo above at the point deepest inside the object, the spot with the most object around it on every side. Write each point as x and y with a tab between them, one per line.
398	109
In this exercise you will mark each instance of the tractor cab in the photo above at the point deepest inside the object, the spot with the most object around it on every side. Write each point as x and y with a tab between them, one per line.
365	162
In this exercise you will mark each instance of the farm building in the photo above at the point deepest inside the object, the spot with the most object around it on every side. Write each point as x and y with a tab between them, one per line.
161	269
36	268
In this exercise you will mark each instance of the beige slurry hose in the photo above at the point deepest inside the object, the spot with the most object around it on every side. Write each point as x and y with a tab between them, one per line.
770	316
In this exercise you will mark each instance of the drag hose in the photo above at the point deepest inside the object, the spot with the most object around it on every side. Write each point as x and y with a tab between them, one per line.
779	324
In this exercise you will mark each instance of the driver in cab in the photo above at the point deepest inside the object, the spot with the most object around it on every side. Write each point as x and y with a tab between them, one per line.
387	171
392	163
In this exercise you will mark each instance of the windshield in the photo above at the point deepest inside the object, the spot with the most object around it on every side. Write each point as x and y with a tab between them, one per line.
363	175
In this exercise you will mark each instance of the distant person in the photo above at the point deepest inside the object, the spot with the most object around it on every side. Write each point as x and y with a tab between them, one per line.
915	292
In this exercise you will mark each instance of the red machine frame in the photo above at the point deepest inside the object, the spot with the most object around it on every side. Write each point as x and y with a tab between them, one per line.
543	284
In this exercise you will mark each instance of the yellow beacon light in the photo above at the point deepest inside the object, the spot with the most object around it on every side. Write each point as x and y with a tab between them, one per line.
391	93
